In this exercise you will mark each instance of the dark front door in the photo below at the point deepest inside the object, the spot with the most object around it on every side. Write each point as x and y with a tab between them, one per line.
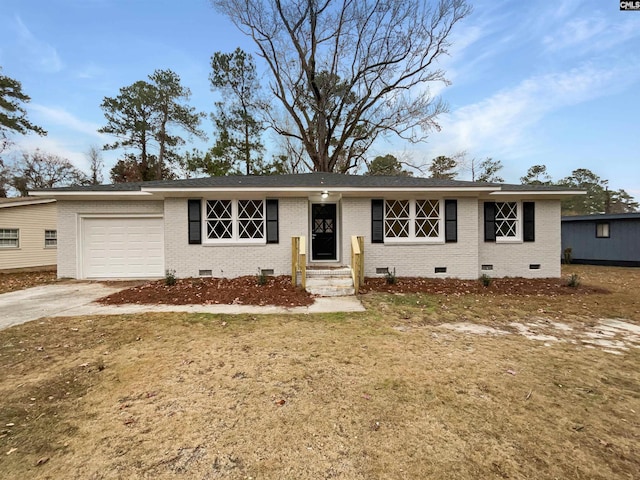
323	231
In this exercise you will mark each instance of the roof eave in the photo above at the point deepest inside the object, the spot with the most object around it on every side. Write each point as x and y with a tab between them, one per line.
314	189
538	193
53	194
32	201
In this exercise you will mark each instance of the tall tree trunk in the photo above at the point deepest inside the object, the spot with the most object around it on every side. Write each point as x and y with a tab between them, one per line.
163	140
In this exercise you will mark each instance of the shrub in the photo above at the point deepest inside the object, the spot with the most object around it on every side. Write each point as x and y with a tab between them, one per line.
573	281
169	278
261	277
568	255
391	277
485	280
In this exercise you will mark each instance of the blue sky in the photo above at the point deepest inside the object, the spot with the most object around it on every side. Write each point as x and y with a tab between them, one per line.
538	82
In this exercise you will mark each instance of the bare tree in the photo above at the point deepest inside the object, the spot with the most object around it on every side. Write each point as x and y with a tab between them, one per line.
39	170
96	164
349	71
288	148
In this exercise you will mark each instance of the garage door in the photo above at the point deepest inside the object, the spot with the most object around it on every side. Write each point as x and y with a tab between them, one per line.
122	247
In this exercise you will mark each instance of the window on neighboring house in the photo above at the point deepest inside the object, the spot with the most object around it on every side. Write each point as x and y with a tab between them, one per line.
50	238
602	230
418	220
507	220
235	220
9	238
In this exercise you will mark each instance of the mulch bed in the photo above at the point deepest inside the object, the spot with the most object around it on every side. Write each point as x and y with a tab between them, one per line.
210	291
499	286
279	291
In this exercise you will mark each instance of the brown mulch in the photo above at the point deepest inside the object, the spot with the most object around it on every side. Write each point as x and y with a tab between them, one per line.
210	291
499	286
10	282
279	291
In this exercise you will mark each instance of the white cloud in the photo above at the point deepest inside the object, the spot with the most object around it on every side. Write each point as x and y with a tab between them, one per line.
500	123
44	56
591	34
69	137
59	116
90	71
50	145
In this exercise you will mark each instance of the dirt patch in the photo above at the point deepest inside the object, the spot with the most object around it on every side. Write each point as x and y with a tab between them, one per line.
10	282
612	336
210	291
500	286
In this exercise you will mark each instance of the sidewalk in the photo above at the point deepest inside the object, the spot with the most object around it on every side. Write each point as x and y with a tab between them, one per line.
321	305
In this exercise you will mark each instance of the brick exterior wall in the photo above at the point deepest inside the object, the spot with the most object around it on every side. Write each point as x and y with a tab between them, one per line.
462	259
513	259
419	260
232	260
69	225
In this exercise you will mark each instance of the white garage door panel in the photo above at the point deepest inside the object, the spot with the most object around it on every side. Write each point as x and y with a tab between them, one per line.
123	247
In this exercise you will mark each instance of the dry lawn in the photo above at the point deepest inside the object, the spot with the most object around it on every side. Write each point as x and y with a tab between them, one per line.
390	393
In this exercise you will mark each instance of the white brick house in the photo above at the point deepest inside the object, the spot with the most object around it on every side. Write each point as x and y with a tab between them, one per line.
232	226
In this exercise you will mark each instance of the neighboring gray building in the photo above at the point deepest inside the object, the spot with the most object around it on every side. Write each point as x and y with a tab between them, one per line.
603	239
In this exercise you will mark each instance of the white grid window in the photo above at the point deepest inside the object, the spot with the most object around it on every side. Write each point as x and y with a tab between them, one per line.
235	221
427	218
9	238
219	219
507	219
412	220
397	219
50	238
251	219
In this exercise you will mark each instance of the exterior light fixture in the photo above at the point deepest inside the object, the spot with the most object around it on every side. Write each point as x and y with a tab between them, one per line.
324	195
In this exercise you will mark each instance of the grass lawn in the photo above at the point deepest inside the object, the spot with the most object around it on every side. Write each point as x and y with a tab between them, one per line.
402	391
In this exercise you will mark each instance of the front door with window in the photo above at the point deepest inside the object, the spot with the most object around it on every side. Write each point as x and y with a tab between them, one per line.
323	231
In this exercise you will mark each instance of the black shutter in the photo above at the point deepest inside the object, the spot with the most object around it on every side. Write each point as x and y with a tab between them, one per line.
195	222
451	221
377	221
529	225
272	221
489	221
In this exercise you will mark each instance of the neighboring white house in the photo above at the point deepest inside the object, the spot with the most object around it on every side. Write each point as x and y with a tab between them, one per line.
232	226
28	233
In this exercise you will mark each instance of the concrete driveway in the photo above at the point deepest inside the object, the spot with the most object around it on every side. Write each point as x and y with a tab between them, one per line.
49	301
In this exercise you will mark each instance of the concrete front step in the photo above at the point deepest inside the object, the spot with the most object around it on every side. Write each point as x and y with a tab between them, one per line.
329	291
330	281
326	272
334	282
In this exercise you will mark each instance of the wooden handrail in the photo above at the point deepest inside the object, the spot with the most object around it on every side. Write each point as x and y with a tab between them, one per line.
299	261
357	261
